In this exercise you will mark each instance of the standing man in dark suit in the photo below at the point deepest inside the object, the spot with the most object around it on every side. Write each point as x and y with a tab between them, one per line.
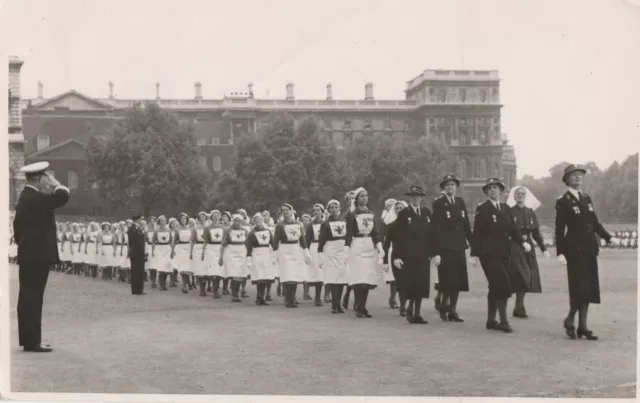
413	248
34	229
493	229
578	249
452	232
137	255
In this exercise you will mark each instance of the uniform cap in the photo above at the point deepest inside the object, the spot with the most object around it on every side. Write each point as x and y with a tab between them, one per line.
35	168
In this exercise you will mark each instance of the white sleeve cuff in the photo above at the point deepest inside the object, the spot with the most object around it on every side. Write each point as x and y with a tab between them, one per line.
66	189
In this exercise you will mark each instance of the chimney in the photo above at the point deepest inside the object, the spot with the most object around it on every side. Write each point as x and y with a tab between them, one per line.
329	92
40	90
110	90
290	92
368	92
250	86
198	90
157	90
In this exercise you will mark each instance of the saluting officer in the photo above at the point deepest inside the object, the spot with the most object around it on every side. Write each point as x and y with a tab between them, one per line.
453	230
493	229
34	229
576	245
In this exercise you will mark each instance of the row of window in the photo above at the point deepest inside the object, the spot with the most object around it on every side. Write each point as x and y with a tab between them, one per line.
217	162
464	120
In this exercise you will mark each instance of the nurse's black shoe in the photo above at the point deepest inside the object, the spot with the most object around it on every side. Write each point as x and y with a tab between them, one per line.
453	317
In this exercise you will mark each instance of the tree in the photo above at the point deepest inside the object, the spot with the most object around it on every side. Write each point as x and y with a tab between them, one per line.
386	167
147	161
284	162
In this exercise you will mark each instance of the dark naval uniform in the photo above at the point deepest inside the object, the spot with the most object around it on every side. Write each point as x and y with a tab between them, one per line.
137	257
34	229
452	232
491	242
413	242
576	227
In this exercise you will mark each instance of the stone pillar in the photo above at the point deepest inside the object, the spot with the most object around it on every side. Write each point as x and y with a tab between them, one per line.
329	92
158	91
290	96
198	86
110	90
40	91
368	92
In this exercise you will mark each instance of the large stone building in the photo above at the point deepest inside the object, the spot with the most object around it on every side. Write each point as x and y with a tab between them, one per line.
460	107
15	136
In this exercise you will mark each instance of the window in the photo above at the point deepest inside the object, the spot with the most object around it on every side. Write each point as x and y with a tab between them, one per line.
203	161
347	125
217	163
432	121
215	141
201	141
72	179
442	96
42	142
483	96
367	125
463	95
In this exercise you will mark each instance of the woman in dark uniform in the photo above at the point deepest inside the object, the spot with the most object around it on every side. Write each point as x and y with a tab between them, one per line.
491	243
578	249
524	271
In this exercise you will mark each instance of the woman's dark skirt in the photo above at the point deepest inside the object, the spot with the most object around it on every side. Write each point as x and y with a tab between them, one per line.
398	274
416	278
523	270
584	282
496	269
265	281
452	271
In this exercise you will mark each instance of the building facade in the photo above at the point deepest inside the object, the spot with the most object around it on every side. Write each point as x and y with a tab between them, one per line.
14	134
461	108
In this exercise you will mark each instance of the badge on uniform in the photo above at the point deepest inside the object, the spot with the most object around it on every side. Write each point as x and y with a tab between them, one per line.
515	219
531	220
494	218
462	214
409	220
448	214
428	219
590	207
576	209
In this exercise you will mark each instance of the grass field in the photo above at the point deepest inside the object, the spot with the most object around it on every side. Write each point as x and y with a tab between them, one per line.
107	340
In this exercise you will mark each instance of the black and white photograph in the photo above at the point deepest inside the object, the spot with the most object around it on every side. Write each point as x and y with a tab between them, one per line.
250	200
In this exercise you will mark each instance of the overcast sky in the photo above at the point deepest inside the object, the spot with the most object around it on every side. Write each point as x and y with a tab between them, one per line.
570	70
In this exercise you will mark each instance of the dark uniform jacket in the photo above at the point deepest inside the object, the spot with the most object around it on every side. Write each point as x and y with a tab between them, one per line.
451	222
577	224
136	243
34	225
493	231
413	237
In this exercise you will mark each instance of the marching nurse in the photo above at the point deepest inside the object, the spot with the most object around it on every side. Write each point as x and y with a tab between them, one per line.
452	232
576	227
525	274
34	229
